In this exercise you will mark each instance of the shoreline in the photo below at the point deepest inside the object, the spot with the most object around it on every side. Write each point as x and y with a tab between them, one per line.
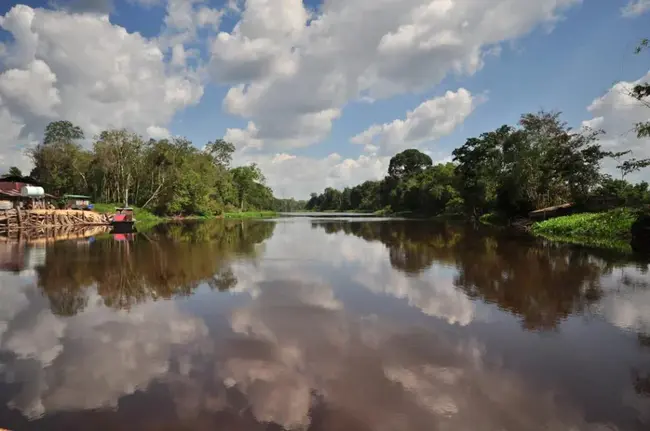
608	230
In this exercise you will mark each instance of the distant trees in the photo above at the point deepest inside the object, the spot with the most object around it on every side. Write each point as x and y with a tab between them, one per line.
169	176
512	170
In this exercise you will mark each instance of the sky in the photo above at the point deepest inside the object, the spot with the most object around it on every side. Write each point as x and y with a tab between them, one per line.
319	93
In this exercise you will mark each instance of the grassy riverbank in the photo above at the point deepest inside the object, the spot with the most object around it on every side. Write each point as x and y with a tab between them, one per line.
146	216
610	229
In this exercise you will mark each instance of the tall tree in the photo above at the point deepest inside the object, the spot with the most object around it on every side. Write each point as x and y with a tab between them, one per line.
408	162
60	162
117	153
13	172
245	178
221	151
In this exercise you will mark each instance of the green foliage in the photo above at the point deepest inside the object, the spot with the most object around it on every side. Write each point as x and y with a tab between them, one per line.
611	229
622	193
407	163
167	176
641	92
14	172
515	170
289	205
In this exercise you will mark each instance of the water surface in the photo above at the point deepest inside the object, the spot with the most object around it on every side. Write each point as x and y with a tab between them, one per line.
322	324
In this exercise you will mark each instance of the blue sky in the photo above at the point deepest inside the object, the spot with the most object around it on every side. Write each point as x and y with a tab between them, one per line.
564	66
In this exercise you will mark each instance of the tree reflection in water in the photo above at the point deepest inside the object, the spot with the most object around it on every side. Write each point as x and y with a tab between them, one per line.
171	261
540	282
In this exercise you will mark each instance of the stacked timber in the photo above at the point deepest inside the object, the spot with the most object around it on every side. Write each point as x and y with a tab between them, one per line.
43	218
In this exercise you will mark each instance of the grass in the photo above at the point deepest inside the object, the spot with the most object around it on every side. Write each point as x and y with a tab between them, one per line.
250	214
610	229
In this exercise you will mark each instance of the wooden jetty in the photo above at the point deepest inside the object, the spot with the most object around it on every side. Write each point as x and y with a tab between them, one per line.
47	218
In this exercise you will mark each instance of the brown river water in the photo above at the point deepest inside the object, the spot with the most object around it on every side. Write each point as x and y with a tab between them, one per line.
331	324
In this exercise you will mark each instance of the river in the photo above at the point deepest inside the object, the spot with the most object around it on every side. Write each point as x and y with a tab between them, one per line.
322	324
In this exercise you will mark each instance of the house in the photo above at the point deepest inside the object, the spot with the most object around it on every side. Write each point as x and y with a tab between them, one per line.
22	192
77	202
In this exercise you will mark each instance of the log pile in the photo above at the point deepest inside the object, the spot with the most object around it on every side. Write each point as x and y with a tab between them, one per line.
11	220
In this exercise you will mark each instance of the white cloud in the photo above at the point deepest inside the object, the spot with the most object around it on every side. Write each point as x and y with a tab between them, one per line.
52	72
184	19
635	8
293	71
431	120
297	176
616	112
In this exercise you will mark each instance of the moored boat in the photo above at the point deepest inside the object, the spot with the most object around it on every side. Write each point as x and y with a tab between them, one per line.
123	220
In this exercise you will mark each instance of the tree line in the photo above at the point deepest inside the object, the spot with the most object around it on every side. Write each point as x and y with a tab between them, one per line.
168	176
510	171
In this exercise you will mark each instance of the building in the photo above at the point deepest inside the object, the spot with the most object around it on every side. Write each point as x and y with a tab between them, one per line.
77	202
16	192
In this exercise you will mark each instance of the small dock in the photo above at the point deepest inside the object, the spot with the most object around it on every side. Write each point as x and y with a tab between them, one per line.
13	219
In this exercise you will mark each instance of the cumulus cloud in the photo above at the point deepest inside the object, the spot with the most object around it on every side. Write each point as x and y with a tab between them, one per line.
635	8
293	70
184	19
297	176
50	72
616	112
431	120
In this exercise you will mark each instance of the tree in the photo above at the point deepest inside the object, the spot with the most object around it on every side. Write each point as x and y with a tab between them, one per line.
60	162
221	152
62	132
408	162
13	172
244	179
480	161
117	154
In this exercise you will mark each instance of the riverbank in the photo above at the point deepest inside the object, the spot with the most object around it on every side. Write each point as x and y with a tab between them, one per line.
141	215
250	214
147	217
